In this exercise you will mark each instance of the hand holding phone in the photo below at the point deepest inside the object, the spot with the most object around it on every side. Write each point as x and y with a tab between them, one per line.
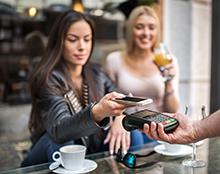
138	119
133	101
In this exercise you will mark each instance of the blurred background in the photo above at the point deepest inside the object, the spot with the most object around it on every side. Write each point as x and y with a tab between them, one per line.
189	29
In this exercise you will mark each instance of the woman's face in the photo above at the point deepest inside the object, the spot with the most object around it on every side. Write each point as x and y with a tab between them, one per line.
78	43
145	32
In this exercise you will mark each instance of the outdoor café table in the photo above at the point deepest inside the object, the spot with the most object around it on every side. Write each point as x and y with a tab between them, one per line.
209	151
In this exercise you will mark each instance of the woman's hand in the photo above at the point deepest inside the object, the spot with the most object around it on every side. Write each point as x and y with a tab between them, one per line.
118	137
168	71
184	134
106	107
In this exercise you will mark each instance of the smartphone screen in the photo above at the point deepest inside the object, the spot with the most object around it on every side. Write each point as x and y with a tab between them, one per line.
132	99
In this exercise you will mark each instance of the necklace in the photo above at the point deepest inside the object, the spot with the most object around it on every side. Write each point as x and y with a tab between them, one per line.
73	99
75	105
85	92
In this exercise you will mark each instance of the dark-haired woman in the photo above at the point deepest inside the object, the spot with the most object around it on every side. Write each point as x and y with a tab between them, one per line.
72	98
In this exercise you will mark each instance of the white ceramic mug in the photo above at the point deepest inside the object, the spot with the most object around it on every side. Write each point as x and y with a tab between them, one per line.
71	156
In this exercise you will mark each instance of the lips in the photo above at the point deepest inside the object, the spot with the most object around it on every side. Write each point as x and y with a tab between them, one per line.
145	38
81	56
145	41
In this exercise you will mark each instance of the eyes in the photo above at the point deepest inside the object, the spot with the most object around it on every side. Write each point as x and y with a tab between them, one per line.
73	39
142	26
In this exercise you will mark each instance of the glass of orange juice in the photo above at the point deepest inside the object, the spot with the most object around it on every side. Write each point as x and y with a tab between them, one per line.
162	57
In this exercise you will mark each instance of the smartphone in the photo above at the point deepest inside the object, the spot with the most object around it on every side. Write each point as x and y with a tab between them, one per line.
138	119
133	101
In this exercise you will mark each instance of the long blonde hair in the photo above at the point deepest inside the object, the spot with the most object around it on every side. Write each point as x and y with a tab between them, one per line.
138	11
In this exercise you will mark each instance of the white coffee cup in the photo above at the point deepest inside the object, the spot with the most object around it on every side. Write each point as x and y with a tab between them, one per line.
172	148
71	156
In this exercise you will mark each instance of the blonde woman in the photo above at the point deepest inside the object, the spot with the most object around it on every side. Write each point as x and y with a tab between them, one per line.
134	70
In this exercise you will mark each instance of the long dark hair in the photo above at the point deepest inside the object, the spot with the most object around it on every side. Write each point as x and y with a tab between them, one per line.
53	58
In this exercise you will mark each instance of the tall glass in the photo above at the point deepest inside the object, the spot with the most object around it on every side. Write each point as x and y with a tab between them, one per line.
162	58
194	162
162	55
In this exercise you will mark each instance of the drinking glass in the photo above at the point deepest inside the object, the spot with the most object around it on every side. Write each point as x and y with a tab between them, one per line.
194	162
162	58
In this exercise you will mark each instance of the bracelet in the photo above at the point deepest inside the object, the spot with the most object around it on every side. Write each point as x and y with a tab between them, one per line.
169	93
105	123
168	79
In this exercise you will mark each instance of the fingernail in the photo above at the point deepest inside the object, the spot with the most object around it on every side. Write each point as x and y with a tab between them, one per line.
111	152
124	152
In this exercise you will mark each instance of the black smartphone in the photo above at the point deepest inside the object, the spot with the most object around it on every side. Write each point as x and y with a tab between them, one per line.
138	119
133	101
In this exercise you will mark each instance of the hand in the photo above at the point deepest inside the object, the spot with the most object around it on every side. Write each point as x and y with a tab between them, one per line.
184	133
107	107
168	71
118	137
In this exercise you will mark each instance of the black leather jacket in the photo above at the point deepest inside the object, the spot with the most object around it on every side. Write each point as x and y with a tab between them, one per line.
58	121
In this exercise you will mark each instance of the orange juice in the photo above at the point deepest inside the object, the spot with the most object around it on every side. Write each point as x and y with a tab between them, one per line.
162	59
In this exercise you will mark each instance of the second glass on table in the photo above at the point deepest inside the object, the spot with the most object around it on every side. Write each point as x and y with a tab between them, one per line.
194	162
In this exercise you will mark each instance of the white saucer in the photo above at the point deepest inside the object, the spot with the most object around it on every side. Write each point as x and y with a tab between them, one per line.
89	166
184	150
